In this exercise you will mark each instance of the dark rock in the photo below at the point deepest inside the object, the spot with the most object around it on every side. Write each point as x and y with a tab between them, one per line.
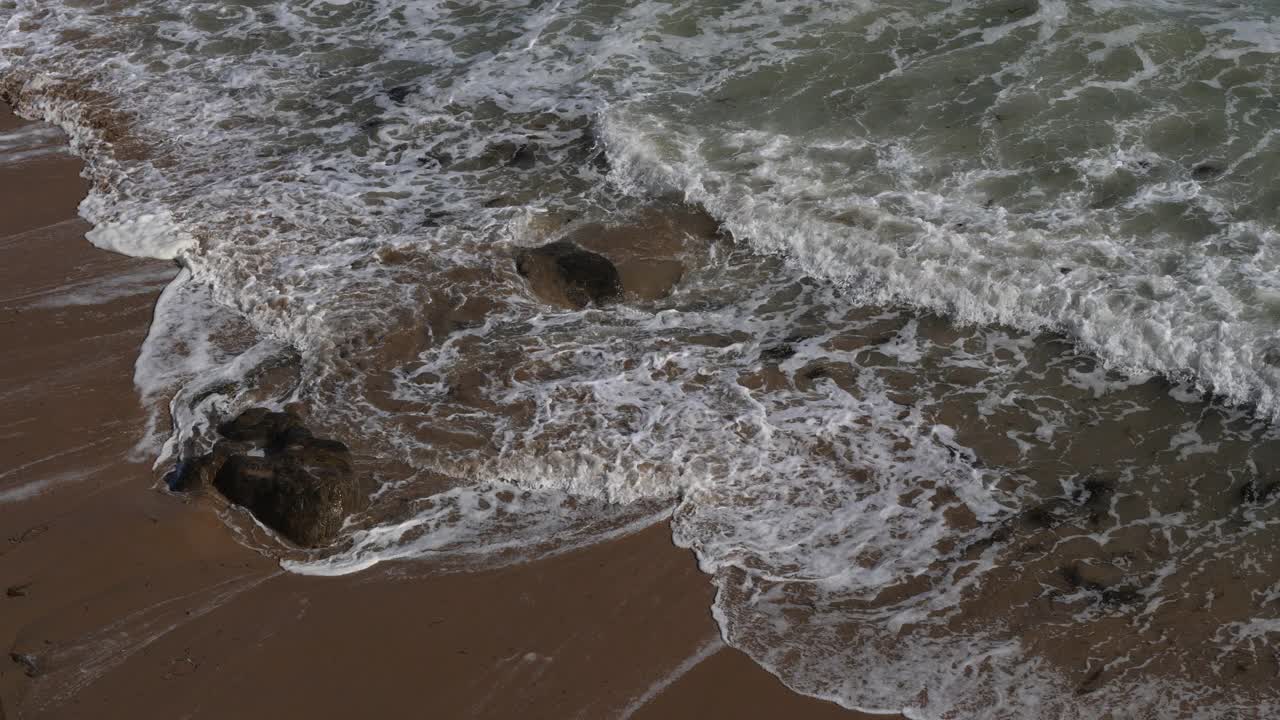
191	475
784	349
398	94
436	155
997	536
778	353
1206	171
504	153
652	248
293	482
195	475
1103	580
1043	516
1257	493
501	201
524	157
964	455
1121	596
176	478
28	662
435	218
265	429
1093	492
592	151
1071	573
17	591
304	493
564	274
1095	575
816	372
1091	682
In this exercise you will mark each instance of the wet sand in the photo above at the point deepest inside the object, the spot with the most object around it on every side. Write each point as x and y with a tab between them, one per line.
122	600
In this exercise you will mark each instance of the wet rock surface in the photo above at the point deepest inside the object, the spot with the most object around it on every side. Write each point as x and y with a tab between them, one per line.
195	474
301	486
641	257
653	250
265	428
562	273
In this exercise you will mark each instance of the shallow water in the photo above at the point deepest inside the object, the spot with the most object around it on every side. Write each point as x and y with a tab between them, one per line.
964	396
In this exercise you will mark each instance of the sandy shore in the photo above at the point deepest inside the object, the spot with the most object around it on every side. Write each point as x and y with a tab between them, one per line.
122	600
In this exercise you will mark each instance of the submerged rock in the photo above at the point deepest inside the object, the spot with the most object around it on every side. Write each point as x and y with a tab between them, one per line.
504	153
399	94
301	486
1206	171
1094	492
524	157
564	274
778	353
1093	576
652	249
1257	493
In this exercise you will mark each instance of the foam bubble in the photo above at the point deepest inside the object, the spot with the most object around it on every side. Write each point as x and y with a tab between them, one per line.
147	235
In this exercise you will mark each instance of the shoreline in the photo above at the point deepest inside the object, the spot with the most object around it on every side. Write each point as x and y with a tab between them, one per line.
126	600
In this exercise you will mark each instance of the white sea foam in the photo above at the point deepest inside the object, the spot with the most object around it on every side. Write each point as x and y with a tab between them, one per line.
35	488
97	291
20	156
706	650
147	236
30	142
495	522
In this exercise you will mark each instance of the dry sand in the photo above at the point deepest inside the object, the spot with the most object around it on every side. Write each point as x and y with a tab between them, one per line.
122	600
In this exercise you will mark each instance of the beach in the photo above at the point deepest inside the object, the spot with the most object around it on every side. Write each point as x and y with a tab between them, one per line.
654	359
124	600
